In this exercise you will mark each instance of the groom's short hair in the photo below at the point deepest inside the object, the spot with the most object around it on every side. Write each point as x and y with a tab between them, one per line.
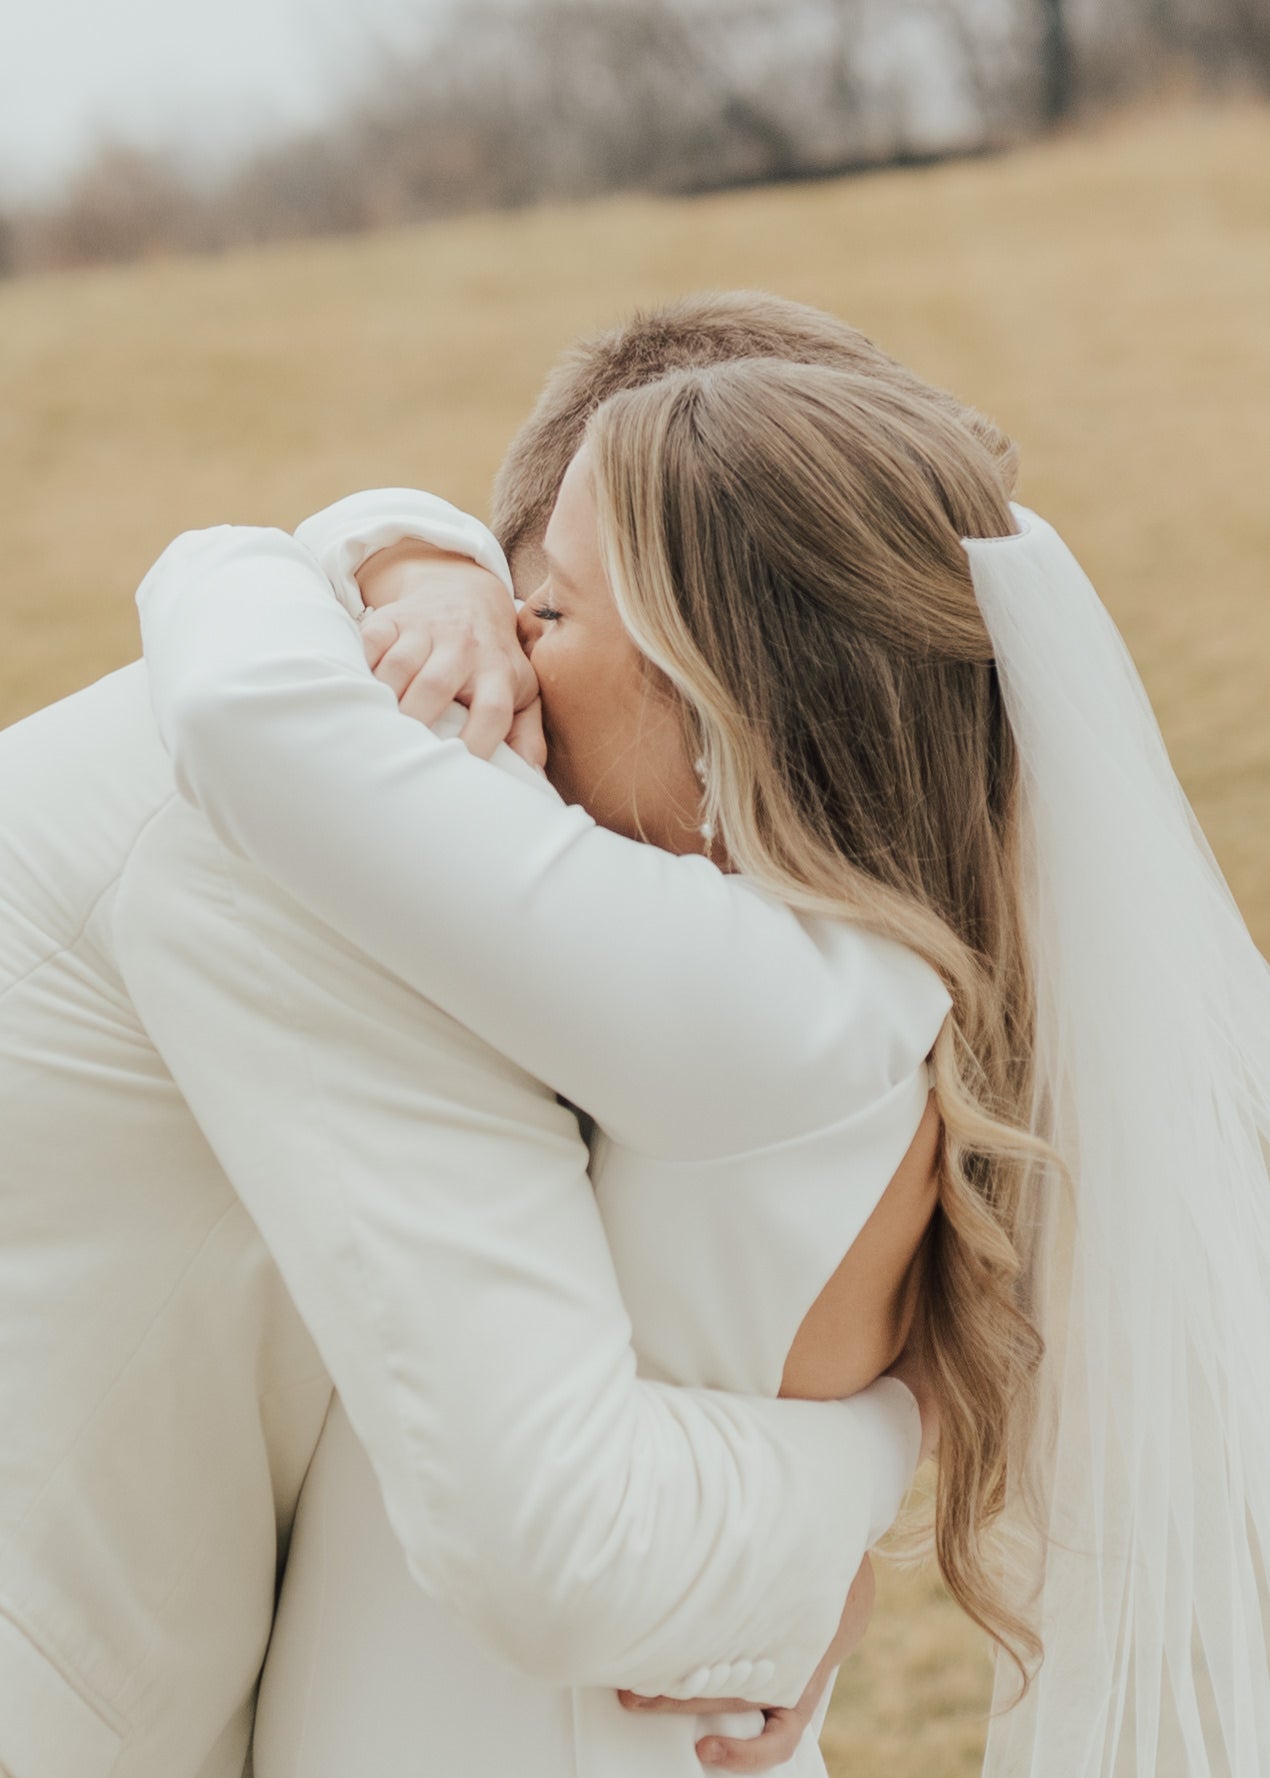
708	328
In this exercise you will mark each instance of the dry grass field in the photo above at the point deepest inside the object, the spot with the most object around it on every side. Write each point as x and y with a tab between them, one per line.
1107	297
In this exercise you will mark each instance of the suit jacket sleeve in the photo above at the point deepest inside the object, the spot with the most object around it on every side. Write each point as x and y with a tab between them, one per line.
690	1014
428	1206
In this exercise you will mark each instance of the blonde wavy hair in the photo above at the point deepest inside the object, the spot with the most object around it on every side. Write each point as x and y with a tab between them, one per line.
784	545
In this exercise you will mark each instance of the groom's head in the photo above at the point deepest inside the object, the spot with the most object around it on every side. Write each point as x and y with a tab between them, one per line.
711	328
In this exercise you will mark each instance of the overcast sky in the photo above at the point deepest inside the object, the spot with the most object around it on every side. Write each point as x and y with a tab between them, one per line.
210	75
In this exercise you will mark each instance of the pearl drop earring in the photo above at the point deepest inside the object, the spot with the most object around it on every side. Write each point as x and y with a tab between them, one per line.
706	830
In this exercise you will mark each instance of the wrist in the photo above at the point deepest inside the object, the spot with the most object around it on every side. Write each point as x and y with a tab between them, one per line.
378	580
342	538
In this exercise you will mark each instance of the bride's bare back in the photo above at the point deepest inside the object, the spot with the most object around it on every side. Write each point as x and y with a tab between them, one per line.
858	1325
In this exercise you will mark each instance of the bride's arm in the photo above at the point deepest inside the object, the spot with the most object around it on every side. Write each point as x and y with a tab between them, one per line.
512	911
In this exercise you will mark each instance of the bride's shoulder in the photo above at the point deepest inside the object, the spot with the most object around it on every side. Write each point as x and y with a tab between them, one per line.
846	1014
877	973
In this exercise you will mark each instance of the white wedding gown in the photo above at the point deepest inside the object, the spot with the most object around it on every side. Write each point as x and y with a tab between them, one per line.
718	1261
759	1076
367	1674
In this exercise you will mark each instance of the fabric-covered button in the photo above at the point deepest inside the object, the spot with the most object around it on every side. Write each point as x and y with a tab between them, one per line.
762	1673
742	1676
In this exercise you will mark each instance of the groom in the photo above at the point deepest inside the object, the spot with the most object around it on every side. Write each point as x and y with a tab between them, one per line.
162	1394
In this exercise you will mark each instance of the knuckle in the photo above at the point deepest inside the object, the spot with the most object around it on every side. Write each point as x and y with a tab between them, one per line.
731	1756
405	658
401	642
439	673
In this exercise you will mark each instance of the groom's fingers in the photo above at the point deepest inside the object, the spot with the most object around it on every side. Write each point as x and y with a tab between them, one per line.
685	1706
778	1743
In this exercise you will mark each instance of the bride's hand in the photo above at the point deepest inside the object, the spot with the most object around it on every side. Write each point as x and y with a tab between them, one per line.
783	1729
439	630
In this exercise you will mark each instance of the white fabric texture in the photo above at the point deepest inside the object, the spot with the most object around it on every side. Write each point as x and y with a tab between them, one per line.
1153	1084
365	1669
759	1076
160	1397
344	536
427	1204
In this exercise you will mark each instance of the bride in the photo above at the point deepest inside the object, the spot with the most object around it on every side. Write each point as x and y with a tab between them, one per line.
866	823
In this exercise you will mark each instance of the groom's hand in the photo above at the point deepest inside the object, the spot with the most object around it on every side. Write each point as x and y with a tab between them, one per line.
782	1729
443	630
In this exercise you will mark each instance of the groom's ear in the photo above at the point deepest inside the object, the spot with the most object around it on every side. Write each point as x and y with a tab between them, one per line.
528	564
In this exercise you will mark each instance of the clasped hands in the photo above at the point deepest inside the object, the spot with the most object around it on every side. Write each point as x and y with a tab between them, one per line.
439	630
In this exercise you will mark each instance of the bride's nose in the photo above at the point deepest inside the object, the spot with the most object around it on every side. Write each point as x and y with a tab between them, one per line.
528	627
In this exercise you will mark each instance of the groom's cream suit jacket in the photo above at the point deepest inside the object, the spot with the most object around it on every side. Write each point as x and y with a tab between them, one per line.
161	1394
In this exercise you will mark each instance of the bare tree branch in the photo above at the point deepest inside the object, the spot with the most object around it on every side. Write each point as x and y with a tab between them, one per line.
1057	61
506	103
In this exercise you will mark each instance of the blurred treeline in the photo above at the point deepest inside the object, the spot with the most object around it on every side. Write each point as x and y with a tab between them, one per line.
503	103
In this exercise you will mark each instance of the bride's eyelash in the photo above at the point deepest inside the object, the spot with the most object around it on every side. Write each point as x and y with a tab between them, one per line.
546	612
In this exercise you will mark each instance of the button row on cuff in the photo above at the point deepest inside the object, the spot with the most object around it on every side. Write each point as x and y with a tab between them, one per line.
729	1679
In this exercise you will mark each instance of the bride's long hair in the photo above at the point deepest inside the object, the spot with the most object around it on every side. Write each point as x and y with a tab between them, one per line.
784	545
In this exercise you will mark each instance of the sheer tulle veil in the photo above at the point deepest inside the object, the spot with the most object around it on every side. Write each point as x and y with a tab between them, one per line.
1151	1263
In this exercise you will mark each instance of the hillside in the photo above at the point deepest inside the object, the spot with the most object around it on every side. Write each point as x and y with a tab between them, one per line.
1106	297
